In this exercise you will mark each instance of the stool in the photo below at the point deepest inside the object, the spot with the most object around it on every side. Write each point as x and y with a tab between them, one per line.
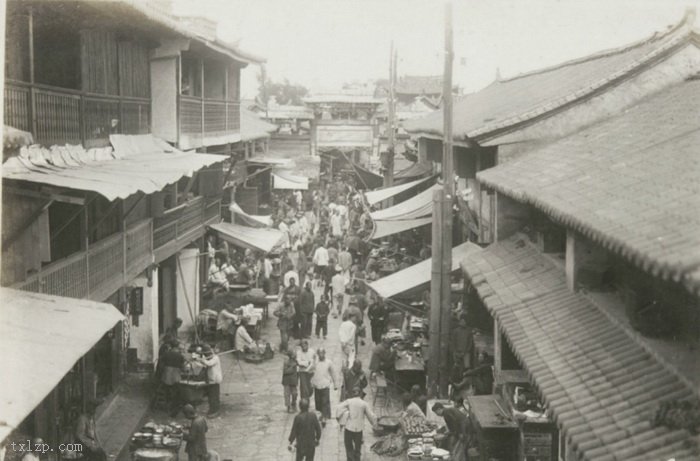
380	390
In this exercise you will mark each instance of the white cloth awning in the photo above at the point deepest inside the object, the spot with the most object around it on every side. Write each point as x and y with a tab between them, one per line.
285	180
139	163
250	219
391	227
379	195
418	206
419	274
254	238
284	162
41	338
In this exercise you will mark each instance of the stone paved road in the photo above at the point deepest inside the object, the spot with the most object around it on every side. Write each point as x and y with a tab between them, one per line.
253	423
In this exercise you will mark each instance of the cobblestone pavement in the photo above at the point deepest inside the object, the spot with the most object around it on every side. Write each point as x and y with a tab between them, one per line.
253	423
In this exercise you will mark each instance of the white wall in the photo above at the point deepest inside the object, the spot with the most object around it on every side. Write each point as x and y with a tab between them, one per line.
187	287
145	336
164	90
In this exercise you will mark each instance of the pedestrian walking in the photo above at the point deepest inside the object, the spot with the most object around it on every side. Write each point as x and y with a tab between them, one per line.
322	311
306	360
377	320
324	376
346	336
338	286
86	434
307	302
306	431
214	379
353	412
195	435
285	317
290	378
354	379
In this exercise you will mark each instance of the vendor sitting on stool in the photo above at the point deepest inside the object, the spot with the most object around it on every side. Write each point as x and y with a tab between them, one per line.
382	359
243	342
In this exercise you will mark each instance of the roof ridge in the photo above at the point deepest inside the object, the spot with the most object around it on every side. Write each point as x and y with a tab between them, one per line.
685	23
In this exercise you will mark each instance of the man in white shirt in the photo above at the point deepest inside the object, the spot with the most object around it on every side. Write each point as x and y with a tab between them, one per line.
286	243
216	275
338	283
346	335
306	359
214	379
243	340
320	261
356	410
324	376
336	224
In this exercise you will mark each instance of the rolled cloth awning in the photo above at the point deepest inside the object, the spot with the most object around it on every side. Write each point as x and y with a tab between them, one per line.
249	237
391	227
414	171
418	206
138	163
40	345
249	219
419	274
284	180
379	195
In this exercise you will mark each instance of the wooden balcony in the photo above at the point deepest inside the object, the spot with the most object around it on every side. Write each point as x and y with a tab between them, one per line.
206	122
100	270
61	116
179	226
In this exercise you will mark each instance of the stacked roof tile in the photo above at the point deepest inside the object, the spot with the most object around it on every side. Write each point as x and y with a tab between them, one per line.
629	183
510	103
600	385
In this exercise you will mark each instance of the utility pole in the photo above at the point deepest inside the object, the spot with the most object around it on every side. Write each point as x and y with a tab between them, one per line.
440	293
391	122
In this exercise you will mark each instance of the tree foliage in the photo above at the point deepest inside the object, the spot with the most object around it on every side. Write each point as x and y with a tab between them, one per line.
284	92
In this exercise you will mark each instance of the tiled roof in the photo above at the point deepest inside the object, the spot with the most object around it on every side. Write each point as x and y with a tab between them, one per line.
630	183
513	102
600	385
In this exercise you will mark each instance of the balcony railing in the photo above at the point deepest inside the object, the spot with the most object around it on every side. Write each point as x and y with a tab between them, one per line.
201	117
100	270
60	116
180	225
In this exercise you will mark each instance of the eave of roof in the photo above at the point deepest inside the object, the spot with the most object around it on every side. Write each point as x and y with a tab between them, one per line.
664	44
628	183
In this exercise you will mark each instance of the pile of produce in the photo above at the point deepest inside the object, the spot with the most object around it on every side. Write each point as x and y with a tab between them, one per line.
391	445
678	414
416	426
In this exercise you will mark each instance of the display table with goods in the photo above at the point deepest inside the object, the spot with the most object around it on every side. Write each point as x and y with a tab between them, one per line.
411	349
156	442
496	432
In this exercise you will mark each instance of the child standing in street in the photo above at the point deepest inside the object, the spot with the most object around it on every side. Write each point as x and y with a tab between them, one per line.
290	378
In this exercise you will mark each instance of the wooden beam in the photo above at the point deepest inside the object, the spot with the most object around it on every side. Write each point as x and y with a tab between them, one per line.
45	194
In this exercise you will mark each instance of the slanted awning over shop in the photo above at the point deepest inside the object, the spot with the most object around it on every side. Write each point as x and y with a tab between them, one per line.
285	180
139	163
418	275
416	170
601	386
41	338
391	227
249	219
416	207
379	195
249	237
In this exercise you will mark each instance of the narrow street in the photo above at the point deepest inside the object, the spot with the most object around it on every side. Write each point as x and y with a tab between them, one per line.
253	423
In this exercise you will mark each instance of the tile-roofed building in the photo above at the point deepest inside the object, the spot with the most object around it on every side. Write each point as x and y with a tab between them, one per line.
629	183
600	385
513	103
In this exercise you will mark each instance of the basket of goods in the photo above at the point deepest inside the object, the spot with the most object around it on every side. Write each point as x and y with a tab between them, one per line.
389	423
416	426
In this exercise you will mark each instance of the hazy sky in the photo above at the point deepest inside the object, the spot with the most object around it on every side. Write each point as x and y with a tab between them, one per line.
324	43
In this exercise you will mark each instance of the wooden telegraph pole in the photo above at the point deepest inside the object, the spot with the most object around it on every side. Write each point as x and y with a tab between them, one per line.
440	302
391	122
